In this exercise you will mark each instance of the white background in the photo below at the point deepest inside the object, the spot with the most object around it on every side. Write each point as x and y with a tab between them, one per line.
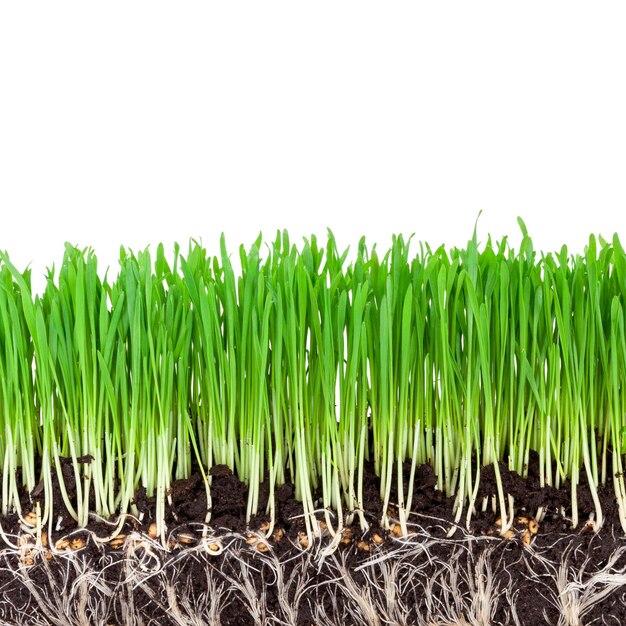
132	123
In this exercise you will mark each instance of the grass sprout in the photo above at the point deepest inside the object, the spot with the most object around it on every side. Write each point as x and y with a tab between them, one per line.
307	364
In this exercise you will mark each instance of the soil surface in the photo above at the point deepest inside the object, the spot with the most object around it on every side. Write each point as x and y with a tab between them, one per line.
230	574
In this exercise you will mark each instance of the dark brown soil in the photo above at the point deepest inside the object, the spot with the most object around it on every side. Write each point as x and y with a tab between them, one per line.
524	575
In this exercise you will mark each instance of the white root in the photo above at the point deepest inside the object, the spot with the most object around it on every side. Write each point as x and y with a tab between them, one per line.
464	588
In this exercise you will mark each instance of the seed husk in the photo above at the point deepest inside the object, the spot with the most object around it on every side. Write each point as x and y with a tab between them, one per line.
396	530
77	543
303	540
214	547
31	518
152	531
533	526
346	536
262	546
363	546
526	537
117	542
186	538
252	540
509	534
62	544
376	538
279	533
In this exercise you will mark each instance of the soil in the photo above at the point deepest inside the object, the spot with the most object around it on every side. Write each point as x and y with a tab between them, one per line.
433	575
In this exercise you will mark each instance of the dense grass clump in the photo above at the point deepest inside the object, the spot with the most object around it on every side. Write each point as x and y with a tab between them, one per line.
303	366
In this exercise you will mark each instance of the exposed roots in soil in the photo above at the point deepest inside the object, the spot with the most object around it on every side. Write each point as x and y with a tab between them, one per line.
227	581
416	572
